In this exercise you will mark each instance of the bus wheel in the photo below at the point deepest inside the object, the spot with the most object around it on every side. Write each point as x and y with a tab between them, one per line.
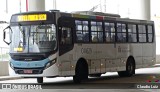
81	72
40	79
130	69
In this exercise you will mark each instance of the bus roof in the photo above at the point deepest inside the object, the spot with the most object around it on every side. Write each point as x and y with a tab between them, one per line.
100	17
97	13
21	17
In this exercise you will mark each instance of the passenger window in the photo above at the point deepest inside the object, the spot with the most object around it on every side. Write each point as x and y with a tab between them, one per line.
82	31
109	32
121	32
96	31
142	33
132	33
150	33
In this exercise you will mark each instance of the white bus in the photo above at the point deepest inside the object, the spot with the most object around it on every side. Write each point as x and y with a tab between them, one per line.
58	44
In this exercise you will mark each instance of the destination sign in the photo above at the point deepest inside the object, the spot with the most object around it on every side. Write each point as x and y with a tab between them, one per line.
32	17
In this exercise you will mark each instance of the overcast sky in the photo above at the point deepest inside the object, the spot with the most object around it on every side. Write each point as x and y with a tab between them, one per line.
111	6
76	5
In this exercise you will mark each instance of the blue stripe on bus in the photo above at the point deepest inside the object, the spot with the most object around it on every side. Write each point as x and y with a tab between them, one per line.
29	64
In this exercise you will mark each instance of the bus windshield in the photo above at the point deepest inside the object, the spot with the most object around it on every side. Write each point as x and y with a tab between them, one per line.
33	39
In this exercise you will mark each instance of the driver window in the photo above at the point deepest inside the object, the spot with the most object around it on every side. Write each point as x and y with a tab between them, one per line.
66	37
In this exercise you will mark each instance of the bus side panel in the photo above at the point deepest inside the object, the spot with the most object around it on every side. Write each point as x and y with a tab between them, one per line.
67	63
136	50
95	66
106	51
88	52
122	53
103	66
106	54
154	53
147	54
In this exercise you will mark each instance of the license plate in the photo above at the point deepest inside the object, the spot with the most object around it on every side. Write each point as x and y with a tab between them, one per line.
28	71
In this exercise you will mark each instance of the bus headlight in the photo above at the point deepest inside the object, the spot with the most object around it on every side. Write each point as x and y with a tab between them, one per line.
50	63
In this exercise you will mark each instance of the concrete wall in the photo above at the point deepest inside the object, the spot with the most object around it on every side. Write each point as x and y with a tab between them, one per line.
4	70
36	5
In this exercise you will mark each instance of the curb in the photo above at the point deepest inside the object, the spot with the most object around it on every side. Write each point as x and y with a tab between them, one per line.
10	78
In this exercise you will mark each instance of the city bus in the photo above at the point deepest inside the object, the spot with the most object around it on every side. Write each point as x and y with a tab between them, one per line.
58	44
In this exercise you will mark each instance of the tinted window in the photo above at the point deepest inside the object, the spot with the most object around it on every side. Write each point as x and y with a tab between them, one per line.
142	33
109	32
132	33
150	33
82	31
121	32
96	31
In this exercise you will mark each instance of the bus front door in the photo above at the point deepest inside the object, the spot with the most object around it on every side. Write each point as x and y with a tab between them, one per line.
65	32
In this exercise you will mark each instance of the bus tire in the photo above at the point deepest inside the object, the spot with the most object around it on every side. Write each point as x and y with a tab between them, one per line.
81	71
130	69
76	79
40	80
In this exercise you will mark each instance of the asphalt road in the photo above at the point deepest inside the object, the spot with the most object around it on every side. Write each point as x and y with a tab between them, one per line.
109	82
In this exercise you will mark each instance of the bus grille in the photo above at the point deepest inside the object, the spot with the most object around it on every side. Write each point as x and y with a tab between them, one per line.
34	71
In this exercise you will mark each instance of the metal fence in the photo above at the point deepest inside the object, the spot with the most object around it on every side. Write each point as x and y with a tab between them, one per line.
4	54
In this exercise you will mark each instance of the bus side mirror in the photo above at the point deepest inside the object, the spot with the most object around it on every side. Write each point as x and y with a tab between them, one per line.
4	35
7	35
